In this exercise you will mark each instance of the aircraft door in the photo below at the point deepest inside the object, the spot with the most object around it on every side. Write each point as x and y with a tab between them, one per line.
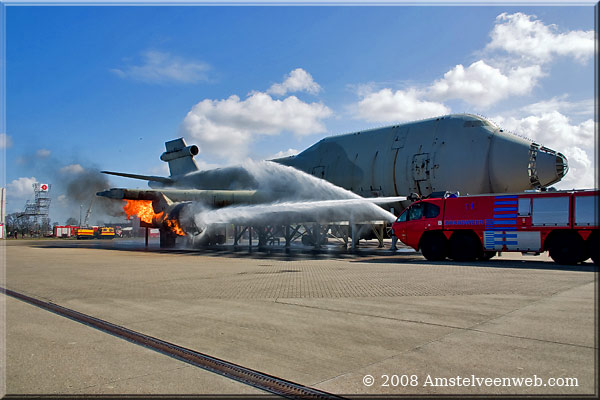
421	173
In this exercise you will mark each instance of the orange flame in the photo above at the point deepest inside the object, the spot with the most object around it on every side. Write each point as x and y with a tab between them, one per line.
174	226
143	209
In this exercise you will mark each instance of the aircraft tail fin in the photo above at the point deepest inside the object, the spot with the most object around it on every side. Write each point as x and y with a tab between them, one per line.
180	157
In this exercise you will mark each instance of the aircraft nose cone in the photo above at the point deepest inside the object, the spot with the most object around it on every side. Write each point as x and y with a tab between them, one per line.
550	166
516	164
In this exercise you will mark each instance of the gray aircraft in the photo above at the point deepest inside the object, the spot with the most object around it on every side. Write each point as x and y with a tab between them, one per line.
456	152
460	152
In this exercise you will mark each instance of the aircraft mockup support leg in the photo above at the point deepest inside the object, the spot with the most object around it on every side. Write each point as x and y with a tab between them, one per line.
346	235
167	239
355	236
317	236
146	237
235	235
250	238
378	230
238	235
343	233
262	236
290	234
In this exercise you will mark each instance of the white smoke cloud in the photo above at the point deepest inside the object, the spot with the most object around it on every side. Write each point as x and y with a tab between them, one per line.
296	81
163	67
5	141
387	105
227	127
531	39
556	131
482	85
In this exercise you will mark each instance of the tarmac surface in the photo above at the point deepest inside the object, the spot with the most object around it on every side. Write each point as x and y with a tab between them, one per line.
326	319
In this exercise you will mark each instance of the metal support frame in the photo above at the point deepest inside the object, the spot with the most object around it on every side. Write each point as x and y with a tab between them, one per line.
378	230
346	233
37	211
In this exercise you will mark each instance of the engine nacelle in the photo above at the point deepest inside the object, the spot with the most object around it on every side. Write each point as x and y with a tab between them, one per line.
170	219
185	152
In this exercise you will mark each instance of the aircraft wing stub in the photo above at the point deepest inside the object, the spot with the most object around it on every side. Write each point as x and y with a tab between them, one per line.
161	179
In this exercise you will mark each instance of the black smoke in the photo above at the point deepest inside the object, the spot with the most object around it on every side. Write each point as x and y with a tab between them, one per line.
81	189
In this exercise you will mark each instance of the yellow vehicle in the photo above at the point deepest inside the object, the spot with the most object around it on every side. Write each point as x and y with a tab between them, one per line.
85	233
105	233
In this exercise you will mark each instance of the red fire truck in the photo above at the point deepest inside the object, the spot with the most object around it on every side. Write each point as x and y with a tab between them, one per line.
467	228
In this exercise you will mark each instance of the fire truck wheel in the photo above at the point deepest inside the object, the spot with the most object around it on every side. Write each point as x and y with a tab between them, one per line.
593	243
487	255
567	249
434	247
465	246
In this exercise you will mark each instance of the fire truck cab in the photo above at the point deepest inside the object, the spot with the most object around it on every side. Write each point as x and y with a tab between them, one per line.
466	228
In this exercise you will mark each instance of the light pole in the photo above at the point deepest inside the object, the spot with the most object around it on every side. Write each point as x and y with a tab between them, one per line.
80	210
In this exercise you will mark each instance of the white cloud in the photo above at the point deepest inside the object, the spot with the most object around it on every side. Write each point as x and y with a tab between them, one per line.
43	153
296	81
283	153
21	188
530	38
396	106
482	85
561	104
527	43
72	169
555	130
226	127
63	200
5	141
162	67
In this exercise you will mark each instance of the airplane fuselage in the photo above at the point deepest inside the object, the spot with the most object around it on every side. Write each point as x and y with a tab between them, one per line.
457	152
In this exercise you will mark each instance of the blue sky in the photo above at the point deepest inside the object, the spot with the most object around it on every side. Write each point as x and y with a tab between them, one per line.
104	87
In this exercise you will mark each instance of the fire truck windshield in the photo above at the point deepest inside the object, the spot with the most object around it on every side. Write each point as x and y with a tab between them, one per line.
417	211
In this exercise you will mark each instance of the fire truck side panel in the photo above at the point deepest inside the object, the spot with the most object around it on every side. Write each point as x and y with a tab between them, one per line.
550	211
512	241
586	211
